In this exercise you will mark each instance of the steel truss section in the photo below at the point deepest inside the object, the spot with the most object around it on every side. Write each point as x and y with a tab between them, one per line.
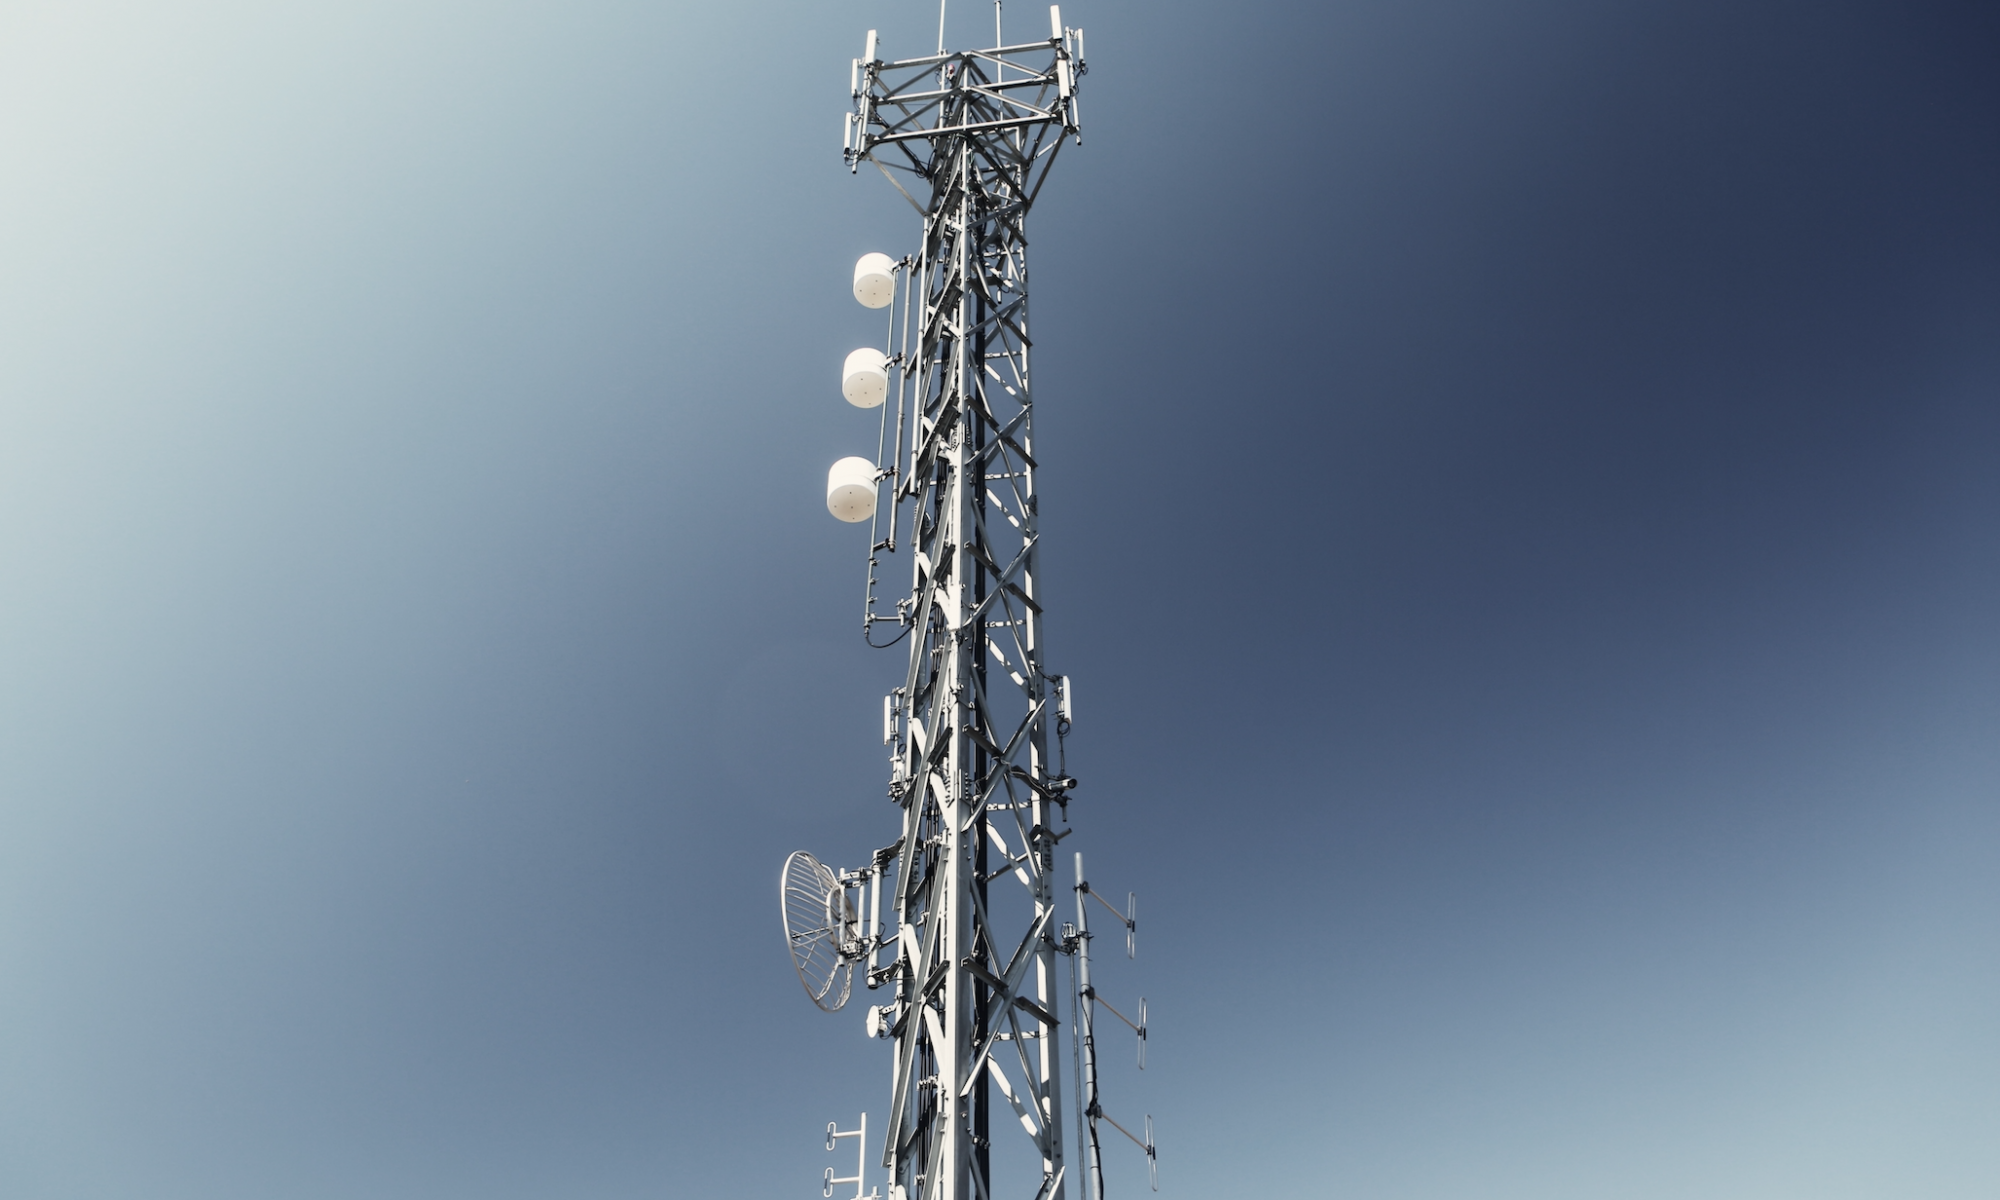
976	992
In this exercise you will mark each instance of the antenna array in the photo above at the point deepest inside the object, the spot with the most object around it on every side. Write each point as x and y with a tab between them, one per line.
973	959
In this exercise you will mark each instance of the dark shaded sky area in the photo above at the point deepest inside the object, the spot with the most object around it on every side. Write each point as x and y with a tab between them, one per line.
1520	507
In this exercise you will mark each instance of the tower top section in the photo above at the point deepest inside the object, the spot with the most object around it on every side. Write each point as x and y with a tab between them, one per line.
1019	100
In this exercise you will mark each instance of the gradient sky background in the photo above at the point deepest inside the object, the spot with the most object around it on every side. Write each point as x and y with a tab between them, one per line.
1522	513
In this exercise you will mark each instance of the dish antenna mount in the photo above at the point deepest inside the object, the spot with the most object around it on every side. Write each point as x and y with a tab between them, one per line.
823	928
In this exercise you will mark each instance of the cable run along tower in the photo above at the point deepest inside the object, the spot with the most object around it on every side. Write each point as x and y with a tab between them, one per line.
956	926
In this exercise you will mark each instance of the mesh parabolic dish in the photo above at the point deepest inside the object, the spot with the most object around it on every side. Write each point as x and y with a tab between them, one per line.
819	920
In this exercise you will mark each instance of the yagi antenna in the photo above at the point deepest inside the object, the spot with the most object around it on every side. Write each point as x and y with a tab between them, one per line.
1088	1001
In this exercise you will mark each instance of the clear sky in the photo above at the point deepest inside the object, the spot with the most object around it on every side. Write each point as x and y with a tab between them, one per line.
1521	511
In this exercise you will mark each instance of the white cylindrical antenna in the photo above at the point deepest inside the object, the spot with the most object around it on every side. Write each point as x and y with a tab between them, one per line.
850	489
888	719
1055	22
869	57
875	280
864	378
1065	707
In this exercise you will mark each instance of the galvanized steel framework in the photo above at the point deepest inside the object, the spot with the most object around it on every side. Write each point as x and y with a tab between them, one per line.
968	138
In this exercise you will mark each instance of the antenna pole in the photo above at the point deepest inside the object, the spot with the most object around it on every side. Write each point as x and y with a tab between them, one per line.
1086	1038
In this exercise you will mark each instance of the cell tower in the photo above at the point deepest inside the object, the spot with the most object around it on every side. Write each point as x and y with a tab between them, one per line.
968	950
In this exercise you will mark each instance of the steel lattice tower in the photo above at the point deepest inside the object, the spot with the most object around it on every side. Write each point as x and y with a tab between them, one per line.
971	766
972	966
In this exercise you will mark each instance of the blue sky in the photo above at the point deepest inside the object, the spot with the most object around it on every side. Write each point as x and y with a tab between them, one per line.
1520	510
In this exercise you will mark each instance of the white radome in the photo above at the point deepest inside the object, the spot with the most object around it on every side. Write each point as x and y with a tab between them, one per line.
865	378
850	489
875	280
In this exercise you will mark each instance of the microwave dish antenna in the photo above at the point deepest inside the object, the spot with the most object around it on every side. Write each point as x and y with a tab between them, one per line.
822	928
